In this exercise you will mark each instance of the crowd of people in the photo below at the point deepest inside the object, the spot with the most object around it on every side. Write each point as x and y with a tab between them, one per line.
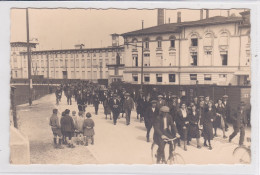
168	115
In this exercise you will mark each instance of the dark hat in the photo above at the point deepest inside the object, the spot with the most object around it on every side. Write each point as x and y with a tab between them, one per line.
165	109
153	101
67	111
88	115
55	111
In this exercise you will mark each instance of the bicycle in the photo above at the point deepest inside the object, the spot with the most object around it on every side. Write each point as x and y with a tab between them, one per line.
242	154
172	158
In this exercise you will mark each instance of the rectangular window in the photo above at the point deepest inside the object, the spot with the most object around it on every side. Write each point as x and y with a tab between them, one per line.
173	43
224	58
107	61
193	76
61	63
66	63
171	78
83	75
100	63
88	63
194	42
94	62
94	54
135	77
56	63
77	62
89	75
72	74
146	45
207	77
147	59
135	60
159	78
147	78
51	63
77	74
159	44
42	63
82	63
193	59
71	63
95	75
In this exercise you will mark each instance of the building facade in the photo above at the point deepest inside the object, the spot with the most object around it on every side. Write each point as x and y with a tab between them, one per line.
78	63
213	50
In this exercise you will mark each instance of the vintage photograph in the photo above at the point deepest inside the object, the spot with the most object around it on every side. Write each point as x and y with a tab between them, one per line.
130	86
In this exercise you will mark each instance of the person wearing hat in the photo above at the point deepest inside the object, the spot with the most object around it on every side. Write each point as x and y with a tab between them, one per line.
207	121
115	107
239	123
56	129
58	94
219	122
139	104
96	102
88	129
67	126
182	123
79	128
164	128
227	111
128	106
160	102
150	115
107	110
173	105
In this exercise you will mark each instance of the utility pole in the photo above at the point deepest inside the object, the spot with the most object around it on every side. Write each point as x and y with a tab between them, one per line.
142	65
29	58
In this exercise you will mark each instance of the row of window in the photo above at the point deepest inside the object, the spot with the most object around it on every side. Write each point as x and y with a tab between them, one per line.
172	78
69	63
73	55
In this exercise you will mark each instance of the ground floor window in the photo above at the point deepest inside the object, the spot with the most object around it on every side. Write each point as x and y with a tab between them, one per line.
135	77
171	78
207	77
193	76
147	77
159	78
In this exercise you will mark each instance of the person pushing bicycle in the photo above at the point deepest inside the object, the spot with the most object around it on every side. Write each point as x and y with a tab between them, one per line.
164	129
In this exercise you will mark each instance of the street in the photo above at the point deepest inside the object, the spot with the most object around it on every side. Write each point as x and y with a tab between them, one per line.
114	144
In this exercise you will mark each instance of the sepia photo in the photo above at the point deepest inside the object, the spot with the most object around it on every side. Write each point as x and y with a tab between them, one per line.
130	86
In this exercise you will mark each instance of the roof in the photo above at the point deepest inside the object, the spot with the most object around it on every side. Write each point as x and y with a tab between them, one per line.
176	27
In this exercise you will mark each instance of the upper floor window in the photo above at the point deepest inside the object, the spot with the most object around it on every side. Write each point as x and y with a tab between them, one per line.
194	40
172	41
146	43
223	39
134	43
159	42
208	40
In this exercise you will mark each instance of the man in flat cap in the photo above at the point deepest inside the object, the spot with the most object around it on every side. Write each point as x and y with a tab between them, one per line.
164	128
239	123
115	107
151	113
160	102
128	106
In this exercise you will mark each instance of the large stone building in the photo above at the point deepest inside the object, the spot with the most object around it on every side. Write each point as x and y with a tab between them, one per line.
213	50
78	63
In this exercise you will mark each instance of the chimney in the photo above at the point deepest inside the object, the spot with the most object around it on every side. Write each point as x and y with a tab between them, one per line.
201	14
160	16
178	17
207	13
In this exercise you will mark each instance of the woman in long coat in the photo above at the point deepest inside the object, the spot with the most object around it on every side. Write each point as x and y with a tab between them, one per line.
208	118
193	130
182	123
107	109
219	121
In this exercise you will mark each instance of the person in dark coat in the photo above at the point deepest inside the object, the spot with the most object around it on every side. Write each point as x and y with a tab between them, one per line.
164	128
88	129
208	118
219	122
81	103
139	102
227	110
96	102
239	123
182	123
115	107
151	113
128	106
69	96
107	109
67	127
193	129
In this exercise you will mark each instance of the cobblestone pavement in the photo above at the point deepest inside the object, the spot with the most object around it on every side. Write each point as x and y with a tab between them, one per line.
114	144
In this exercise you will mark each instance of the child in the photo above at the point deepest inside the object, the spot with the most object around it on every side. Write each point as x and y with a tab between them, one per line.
88	129
55	126
79	127
67	126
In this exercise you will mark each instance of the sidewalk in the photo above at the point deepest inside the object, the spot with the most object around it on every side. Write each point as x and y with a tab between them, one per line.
114	144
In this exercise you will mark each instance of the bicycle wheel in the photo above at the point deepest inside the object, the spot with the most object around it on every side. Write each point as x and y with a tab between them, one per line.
242	155
154	148
176	159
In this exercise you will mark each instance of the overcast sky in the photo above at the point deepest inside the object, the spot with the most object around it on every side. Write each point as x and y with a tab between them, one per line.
63	28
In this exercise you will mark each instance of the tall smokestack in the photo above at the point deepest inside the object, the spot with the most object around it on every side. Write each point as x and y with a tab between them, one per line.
160	16
207	13
178	17
201	14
